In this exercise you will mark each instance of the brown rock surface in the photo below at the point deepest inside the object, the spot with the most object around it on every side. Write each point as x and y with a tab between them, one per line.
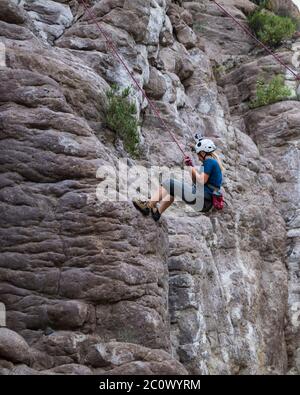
97	288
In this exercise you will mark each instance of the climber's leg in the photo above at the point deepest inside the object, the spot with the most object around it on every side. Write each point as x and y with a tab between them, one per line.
145	207
188	193
166	203
183	191
165	195
158	196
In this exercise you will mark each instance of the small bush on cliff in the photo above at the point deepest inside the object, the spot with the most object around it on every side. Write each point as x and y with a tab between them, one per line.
121	118
270	92
271	29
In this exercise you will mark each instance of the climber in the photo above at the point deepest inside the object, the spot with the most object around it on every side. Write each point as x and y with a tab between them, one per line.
205	187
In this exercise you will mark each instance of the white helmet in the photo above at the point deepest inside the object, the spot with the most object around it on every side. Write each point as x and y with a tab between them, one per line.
205	145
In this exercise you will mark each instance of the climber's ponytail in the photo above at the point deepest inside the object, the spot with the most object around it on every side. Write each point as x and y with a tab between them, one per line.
218	159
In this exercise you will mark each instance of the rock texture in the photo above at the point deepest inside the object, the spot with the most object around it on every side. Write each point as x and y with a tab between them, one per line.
285	7
95	288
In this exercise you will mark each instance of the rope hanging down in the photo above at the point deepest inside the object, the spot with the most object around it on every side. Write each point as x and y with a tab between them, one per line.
154	109
115	52
297	76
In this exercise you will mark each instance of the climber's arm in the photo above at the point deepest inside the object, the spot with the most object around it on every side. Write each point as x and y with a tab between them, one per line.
200	178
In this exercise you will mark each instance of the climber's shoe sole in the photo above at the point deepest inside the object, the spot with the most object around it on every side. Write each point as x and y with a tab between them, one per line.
141	206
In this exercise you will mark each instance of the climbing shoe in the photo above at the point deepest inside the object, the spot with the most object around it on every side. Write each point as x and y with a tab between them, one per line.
142	206
48	331
155	214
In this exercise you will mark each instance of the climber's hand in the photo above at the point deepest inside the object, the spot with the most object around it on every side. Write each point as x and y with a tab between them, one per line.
188	161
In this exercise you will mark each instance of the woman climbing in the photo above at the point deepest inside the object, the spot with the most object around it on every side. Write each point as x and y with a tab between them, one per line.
205	185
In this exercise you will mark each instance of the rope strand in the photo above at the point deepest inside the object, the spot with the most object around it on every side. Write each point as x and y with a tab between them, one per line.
154	109
120	59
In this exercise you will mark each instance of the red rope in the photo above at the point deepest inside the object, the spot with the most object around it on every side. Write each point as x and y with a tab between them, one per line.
297	76
119	58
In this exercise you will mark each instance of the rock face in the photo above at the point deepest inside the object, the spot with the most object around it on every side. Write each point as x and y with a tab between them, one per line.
13	347
285	7
95	288
280	124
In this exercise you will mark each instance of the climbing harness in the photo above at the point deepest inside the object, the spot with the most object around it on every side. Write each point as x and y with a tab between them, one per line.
218	200
116	54
217	197
247	31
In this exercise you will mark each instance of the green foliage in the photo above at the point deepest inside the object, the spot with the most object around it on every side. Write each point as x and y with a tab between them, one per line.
219	70
121	118
271	29
272	92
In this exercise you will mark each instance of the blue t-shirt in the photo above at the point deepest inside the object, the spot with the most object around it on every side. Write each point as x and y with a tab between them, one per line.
212	168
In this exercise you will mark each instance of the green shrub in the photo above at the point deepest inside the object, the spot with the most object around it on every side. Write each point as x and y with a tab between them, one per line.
271	29
219	70
121	118
270	92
